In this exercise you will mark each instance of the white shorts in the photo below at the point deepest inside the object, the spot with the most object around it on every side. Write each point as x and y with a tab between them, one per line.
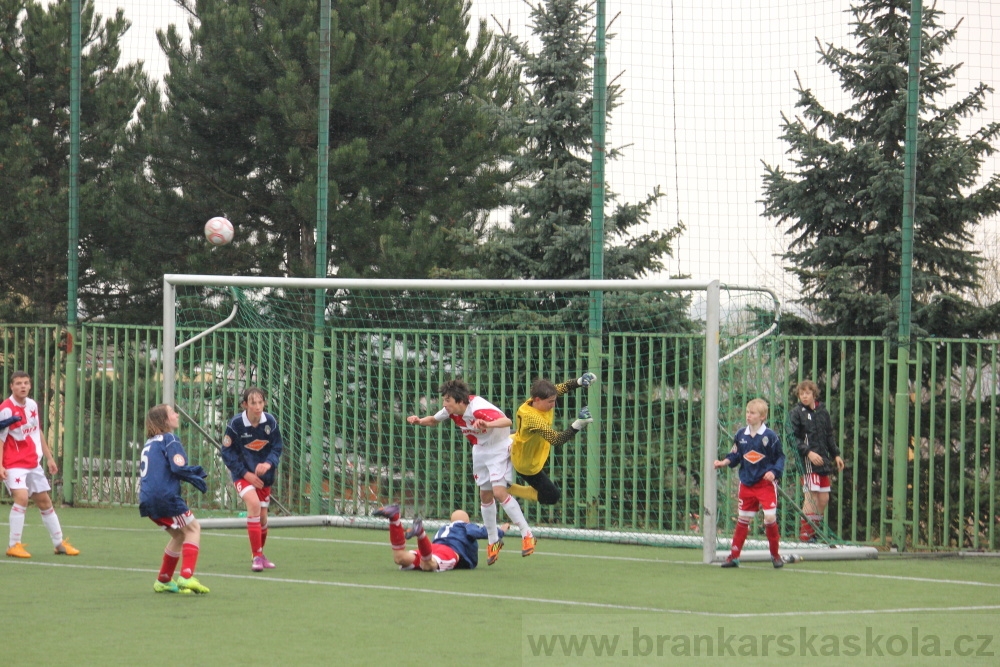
33	480
491	466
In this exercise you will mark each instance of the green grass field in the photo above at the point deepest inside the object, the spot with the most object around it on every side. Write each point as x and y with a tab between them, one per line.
337	598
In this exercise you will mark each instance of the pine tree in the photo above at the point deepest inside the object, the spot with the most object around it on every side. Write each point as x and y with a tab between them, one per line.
842	203
549	232
34	166
415	152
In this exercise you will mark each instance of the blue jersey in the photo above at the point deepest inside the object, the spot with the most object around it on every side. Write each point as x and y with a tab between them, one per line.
756	454
244	446
162	466
462	537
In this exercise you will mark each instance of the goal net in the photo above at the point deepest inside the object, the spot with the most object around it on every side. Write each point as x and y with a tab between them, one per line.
344	362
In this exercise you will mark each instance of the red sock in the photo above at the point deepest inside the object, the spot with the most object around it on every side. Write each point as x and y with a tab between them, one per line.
397	536
168	566
424	545
263	536
771	530
253	530
190	560
739	537
805	531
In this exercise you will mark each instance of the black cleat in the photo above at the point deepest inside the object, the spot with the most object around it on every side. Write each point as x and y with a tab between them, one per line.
415	529
390	512
731	562
777	562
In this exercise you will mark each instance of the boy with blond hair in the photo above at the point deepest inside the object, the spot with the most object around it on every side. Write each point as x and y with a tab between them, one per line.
757	451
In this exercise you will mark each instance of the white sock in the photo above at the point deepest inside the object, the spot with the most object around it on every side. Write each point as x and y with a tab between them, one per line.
490	520
16	524
513	510
51	522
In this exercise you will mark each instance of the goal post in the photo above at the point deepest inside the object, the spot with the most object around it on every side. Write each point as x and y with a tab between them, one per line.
389	343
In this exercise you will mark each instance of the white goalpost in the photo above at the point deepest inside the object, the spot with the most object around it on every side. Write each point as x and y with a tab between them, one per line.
593	495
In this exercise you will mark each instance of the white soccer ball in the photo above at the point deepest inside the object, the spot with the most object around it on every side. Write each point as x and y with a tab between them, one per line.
219	231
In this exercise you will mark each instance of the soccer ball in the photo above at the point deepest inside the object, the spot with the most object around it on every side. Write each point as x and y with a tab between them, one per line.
219	231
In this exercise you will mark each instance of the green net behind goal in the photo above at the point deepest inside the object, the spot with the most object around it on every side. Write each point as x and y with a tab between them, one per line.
636	471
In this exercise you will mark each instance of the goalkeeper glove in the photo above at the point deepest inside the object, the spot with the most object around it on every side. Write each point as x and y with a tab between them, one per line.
582	419
586	379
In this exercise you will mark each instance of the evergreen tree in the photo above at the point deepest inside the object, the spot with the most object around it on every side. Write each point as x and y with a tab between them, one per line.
415	153
843	202
549	232
34	165
843	206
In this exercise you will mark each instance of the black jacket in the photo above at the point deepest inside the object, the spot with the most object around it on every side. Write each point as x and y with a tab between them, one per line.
813	432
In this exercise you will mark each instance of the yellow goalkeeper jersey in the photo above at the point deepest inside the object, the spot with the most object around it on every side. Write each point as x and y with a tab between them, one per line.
535	436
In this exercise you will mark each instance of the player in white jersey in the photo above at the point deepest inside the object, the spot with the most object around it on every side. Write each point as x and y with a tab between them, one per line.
24	446
487	429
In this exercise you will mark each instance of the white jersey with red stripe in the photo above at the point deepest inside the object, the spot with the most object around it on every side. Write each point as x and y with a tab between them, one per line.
22	442
478	408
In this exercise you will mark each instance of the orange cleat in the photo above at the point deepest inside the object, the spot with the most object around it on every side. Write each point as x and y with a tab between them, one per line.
493	552
18	551
66	549
527	545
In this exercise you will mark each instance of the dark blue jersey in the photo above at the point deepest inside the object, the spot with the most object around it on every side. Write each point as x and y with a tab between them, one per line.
162	466
756	454
462	537
244	446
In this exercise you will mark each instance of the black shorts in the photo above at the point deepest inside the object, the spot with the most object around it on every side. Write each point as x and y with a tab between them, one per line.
548	492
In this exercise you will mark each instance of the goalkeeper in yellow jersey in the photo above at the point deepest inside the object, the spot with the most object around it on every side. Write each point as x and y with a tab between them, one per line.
535	436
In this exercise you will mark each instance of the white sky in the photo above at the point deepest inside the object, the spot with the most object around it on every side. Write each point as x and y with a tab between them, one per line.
705	84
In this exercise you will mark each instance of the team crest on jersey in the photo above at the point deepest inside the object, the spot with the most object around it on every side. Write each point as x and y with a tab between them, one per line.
765	440
227	441
179	460
753	457
267	430
256	445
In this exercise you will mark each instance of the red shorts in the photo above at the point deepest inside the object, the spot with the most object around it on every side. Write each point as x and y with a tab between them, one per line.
174	521
445	557
814	482
244	487
761	496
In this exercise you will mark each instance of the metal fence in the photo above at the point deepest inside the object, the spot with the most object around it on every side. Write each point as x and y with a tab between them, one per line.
650	421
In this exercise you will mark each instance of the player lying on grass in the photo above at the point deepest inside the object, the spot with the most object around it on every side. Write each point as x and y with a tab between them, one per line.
162	466
535	436
757	451
487	429
455	546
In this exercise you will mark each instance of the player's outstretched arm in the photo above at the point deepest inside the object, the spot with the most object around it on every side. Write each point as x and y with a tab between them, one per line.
429	420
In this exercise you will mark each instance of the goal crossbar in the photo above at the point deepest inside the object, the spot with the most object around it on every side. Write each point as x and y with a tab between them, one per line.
711	288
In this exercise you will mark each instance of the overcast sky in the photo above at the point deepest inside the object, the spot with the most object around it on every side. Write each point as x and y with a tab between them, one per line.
705	84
